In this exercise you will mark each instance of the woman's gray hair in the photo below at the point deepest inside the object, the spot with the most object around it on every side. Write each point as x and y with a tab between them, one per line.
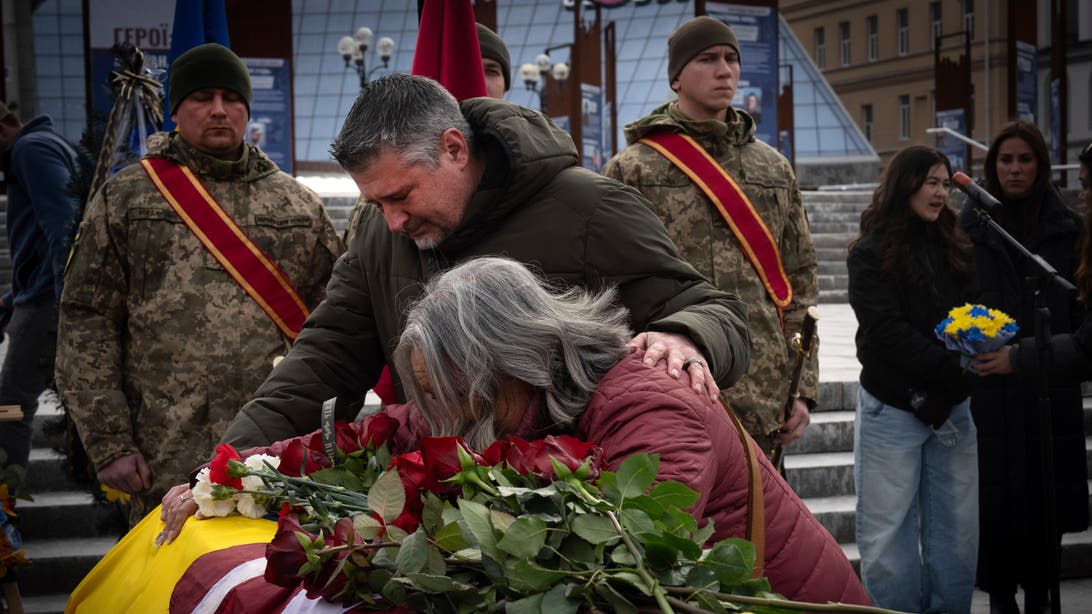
403	113
491	317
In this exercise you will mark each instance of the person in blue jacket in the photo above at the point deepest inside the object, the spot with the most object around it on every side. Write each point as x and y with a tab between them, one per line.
38	164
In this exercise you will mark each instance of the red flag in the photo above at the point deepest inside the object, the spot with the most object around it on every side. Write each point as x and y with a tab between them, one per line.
447	48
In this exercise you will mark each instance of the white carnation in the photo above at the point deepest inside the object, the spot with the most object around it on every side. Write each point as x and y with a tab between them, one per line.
206	504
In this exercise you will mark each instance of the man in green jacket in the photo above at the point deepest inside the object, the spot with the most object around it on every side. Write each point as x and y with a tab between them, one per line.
704	68
450	183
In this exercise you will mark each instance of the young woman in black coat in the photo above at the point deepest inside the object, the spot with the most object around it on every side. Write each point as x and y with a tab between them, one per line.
1004	403
916	461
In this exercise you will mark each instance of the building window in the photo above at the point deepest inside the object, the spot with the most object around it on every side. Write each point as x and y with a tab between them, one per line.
843	37
904	117
866	121
968	17
820	48
873	38
936	19
903	19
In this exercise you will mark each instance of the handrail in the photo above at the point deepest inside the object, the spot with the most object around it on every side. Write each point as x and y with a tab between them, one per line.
953	133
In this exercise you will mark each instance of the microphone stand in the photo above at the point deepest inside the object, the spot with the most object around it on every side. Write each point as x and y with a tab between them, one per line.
1046	274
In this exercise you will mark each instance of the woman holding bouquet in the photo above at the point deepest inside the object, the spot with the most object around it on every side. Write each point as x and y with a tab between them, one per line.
1004	402
915	456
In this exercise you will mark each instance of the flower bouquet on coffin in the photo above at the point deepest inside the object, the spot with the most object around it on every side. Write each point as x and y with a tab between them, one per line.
535	526
974	329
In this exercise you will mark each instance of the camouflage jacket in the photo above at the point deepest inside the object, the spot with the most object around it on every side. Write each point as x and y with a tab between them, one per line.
706	241
159	346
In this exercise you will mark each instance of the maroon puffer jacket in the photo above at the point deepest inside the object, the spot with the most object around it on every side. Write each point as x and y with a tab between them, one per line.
638	408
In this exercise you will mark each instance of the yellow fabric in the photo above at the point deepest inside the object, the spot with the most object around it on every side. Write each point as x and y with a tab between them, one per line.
136	577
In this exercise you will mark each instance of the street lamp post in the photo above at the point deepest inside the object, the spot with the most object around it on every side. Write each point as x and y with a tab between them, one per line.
533	74
355	48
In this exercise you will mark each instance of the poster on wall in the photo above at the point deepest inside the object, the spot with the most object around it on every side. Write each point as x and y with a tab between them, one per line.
1056	126
956	150
1027	89
591	126
756	31
270	126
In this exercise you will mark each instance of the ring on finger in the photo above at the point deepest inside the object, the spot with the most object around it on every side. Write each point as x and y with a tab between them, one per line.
692	361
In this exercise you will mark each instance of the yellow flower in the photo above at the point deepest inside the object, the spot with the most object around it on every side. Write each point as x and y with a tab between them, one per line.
114	495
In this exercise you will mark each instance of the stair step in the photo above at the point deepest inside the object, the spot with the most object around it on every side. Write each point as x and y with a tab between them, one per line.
829	431
45	604
46	472
78	513
826	474
60	564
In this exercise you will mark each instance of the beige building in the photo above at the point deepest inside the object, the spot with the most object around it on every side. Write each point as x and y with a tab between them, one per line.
878	56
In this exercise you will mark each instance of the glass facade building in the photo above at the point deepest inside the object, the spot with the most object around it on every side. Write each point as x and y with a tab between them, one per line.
324	88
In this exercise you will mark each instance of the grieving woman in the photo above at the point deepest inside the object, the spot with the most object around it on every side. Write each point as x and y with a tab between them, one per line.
490	352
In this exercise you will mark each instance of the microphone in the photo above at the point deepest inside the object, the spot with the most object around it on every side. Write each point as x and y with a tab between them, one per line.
976	192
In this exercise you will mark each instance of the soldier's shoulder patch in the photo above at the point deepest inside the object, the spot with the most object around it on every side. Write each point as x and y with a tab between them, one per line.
282	221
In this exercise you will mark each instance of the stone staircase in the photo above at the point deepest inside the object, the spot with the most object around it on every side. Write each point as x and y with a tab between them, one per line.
819	468
834	217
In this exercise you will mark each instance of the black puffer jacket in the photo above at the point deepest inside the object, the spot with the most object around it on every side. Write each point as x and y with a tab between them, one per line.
577	227
903	363
1004	407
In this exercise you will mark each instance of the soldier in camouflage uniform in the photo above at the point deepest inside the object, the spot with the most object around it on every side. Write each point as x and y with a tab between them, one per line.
703	68
159	346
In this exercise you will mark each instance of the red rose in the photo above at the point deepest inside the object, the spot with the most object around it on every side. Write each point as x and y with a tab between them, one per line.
298	460
284	555
534	456
411	470
377	429
329	582
218	467
441	458
346	438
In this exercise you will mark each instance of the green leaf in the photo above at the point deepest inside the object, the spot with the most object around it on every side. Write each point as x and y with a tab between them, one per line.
608	483
622	556
636	522
631	579
702	577
367	527
377	579
557	600
470	555
594	529
658	554
579	552
387	496
732	560
560	470
618	603
451	538
673	494
413	553
703	534
431	583
524	538
501	520
637	473
338	476
708	602
527	605
686	547
646	504
477	522
527	578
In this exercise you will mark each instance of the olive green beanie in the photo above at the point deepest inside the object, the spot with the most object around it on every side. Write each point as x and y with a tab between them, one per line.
692	38
206	66
493	48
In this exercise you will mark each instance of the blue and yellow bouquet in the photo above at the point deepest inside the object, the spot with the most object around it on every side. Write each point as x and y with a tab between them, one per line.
974	329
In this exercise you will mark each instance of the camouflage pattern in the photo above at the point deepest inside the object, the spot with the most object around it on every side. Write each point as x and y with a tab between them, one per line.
159	346
705	240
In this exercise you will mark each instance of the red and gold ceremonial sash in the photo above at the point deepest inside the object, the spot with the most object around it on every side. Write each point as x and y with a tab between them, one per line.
250	267
747	225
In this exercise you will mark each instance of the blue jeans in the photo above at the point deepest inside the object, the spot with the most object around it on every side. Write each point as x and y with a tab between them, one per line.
917	507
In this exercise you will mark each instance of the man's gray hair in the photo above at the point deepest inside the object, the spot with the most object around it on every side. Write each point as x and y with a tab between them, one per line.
403	113
491	318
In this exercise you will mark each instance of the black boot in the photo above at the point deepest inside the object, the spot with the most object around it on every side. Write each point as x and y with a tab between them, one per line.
1003	604
1036	600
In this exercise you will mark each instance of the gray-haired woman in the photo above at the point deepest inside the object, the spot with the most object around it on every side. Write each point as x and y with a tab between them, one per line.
493	352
